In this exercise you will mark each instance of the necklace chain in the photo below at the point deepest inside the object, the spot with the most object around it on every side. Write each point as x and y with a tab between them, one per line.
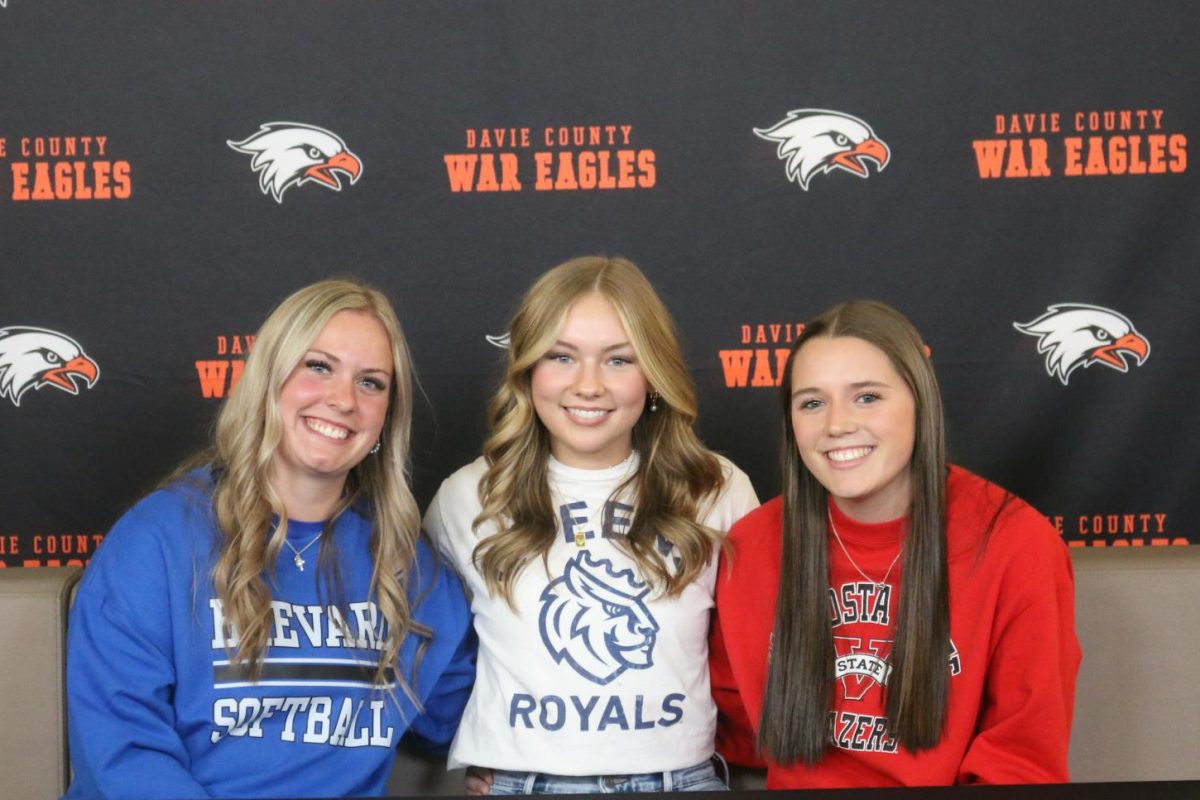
854	563
580	536
296	559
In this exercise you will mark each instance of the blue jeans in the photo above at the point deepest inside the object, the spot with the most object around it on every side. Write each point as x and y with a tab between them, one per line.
700	778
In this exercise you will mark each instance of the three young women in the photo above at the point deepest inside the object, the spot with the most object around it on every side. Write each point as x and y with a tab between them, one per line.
587	534
269	623
890	619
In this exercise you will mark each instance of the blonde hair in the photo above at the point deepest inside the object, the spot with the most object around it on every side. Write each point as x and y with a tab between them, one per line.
675	474
248	432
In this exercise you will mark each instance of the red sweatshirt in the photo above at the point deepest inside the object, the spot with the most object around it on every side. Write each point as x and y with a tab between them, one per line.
1012	628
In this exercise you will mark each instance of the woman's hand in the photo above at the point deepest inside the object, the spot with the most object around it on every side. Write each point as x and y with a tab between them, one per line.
478	781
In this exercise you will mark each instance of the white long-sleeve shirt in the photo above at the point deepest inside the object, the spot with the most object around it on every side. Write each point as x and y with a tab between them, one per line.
594	673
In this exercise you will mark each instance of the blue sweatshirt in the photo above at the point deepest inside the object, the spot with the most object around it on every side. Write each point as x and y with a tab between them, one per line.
156	710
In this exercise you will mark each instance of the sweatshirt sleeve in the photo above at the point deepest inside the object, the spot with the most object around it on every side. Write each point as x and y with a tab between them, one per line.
1025	723
735	734
121	673
435	728
445	610
739	640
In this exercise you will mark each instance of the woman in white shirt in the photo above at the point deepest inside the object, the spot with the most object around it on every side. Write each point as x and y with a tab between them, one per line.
587	533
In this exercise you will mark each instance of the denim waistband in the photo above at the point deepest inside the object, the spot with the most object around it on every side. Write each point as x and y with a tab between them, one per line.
698	777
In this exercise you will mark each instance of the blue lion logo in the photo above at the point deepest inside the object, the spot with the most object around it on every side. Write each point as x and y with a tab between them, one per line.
595	619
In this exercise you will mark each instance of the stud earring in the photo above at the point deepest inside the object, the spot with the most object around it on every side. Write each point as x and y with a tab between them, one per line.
375	449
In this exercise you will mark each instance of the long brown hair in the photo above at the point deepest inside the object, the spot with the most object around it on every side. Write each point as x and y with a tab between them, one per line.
800	679
248	431
676	474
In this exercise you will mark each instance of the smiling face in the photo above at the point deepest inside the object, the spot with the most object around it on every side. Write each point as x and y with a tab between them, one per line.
588	389
332	406
854	420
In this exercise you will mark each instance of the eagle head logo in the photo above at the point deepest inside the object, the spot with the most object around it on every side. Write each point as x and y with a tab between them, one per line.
31	358
287	154
812	141
1074	335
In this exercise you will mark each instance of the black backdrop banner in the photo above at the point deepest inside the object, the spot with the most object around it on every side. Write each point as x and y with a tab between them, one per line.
1018	178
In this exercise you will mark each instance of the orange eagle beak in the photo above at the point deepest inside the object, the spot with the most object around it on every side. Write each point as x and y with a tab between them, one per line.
873	149
345	162
1113	354
64	377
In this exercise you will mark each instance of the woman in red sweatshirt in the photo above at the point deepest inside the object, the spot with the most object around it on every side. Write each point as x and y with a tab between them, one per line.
889	619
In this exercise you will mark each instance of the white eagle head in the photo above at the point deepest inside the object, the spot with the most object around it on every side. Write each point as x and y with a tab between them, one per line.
287	154
812	140
31	358
1074	335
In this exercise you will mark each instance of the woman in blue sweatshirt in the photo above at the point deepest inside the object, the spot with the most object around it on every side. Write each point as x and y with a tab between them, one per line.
269	623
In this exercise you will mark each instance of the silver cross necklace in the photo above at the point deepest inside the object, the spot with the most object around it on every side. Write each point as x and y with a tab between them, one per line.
296	559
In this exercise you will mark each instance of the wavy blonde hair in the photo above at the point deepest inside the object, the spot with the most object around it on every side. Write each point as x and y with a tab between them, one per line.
247	435
676	474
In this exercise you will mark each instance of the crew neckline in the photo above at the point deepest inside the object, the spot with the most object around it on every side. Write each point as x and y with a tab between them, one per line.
303	529
620	470
868	534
